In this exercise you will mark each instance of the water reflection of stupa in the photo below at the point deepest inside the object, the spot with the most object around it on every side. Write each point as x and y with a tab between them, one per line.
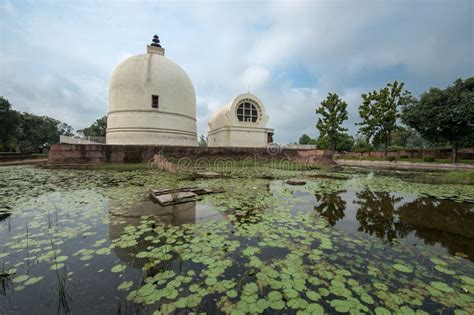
177	214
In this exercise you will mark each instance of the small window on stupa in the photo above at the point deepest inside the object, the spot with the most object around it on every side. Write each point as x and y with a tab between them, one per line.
155	101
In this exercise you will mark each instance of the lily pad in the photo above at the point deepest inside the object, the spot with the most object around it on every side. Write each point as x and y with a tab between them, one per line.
403	268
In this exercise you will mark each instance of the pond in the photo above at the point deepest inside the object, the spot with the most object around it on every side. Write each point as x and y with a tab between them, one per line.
86	241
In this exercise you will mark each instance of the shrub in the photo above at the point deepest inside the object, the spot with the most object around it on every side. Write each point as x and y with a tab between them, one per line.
428	159
394	148
404	156
390	158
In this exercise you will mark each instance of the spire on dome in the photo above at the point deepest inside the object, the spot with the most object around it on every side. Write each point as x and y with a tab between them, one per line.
155	46
156	41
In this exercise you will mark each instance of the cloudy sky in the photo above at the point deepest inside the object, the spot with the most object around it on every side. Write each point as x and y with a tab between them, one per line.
56	57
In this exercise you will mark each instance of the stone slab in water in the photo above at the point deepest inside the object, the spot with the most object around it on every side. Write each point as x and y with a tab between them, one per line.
208	174
296	182
166	196
174	198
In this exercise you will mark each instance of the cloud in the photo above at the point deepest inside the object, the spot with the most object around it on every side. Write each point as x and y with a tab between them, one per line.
255	77
56	58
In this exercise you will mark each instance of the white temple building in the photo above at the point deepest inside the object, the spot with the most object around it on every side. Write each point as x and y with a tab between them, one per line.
151	102
241	123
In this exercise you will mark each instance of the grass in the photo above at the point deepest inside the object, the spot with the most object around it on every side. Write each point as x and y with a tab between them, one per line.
372	158
115	167
454	177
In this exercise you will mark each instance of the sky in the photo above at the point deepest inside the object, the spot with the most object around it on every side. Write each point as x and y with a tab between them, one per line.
56	57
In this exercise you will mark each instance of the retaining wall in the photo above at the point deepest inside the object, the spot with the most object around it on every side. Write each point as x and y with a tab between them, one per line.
77	154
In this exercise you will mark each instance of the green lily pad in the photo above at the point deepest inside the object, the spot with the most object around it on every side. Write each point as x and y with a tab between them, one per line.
21	278
232	293
118	268
438	261
125	285
382	311
467	280
274	296
441	286
33	280
313	296
444	270
403	268
210	281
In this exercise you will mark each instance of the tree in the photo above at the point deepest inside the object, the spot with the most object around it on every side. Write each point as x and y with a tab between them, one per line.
379	112
305	139
97	129
34	132
344	142
407	138
333	111
444	115
202	141
361	144
25	132
8	126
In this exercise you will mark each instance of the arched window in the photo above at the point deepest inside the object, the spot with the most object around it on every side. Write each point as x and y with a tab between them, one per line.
247	111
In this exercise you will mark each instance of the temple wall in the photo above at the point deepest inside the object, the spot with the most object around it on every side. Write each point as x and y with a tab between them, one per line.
77	154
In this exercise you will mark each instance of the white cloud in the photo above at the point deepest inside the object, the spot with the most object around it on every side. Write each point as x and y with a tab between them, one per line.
56	59
8	8
255	77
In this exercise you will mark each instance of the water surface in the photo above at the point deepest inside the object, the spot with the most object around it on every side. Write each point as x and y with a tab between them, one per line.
92	242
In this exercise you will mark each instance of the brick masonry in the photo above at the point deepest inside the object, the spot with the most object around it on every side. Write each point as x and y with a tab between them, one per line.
83	154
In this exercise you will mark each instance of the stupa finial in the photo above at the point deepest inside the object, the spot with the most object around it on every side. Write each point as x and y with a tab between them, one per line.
156	41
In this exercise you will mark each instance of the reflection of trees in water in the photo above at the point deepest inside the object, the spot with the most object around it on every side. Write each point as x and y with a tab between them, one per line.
434	221
377	215
443	215
4	215
442	221
331	206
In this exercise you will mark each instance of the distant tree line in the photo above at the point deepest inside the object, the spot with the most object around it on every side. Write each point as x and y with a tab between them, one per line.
392	119
97	129
25	132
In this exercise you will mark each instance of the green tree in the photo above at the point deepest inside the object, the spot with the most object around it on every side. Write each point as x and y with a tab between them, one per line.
444	115
379	112
344	142
26	132
34	131
361	144
305	139
333	111
202	141
97	129
407	138
8	126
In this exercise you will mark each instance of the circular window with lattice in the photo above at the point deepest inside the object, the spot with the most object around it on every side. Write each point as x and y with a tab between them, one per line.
247	111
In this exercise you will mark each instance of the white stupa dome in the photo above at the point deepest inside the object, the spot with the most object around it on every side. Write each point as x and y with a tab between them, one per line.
240	123
151	102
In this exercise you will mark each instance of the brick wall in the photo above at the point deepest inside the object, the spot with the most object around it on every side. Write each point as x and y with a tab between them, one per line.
73	154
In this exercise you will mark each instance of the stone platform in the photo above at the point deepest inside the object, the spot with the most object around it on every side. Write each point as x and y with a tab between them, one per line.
93	154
